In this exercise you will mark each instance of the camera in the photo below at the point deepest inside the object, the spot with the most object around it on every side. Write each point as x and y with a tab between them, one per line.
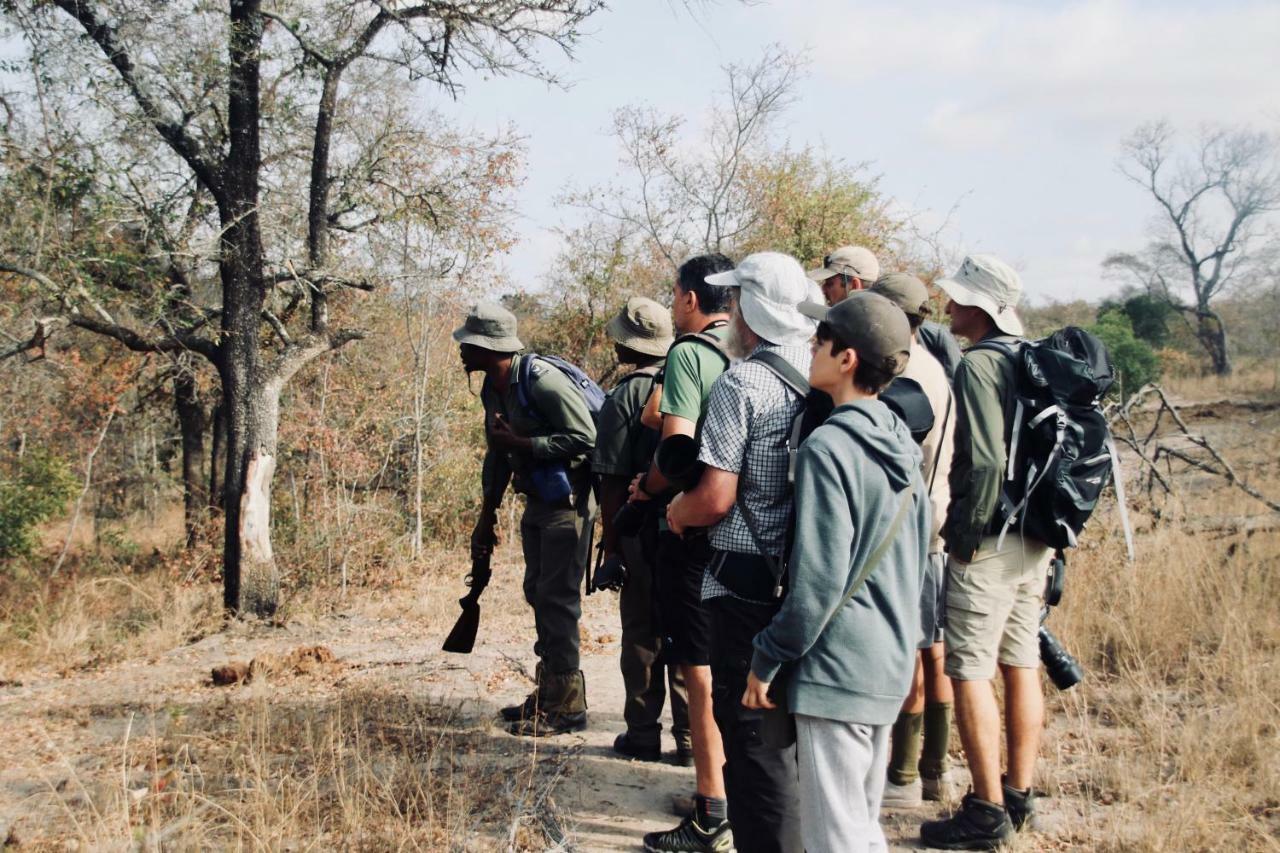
631	518
1064	670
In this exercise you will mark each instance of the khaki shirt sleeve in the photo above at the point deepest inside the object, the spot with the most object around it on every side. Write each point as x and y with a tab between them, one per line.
572	430
977	467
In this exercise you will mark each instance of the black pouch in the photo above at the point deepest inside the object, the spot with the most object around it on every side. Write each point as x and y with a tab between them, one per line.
748	576
778	724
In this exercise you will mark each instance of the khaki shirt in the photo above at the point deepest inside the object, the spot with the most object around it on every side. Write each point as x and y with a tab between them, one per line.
925	369
561	429
984	388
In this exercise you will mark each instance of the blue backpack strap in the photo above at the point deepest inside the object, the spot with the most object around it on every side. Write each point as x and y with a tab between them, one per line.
523	377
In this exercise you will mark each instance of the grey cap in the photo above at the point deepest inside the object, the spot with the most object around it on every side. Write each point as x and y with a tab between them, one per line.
642	325
906	291
489	326
986	282
848	260
875	327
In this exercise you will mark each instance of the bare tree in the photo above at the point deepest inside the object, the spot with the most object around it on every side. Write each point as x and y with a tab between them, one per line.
191	80
1214	205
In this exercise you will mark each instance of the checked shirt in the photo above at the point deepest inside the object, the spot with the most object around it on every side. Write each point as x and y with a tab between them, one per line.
749	414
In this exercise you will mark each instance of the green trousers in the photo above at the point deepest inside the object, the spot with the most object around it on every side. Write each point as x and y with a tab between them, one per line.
646	682
554	540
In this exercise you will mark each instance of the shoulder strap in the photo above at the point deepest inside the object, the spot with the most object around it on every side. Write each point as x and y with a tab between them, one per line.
994	345
524	376
781	368
937	456
874	558
705	338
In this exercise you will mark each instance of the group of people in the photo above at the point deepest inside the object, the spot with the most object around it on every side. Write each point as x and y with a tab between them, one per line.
790	545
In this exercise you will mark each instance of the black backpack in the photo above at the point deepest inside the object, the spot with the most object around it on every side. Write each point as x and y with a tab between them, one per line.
907	399
1061	453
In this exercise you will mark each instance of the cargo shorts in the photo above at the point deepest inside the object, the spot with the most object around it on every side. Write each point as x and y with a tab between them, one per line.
993	607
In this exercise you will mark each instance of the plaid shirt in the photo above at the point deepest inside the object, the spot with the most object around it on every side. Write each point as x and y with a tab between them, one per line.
749	416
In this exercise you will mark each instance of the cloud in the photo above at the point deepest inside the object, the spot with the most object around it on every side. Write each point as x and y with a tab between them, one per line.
1095	66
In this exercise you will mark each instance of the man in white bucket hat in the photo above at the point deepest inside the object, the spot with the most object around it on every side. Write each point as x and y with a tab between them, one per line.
994	588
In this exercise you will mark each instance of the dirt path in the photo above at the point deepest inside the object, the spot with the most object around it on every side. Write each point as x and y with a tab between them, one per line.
61	729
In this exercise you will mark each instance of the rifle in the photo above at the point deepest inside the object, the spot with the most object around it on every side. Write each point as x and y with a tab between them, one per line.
462	639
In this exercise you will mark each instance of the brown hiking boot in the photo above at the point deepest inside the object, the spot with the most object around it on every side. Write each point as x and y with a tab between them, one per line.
561	707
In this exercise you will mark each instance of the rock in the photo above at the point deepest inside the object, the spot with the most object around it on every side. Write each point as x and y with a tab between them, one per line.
230	673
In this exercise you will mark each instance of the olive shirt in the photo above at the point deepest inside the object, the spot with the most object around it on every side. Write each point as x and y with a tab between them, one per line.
561	429
624	446
692	368
984	390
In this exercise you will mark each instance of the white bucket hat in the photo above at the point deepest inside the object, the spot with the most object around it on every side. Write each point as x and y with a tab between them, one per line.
771	286
986	282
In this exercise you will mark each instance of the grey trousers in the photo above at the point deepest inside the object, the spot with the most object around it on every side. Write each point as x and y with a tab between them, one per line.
842	774
554	539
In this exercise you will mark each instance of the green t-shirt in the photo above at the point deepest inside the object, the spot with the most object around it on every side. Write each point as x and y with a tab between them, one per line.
624	446
692	368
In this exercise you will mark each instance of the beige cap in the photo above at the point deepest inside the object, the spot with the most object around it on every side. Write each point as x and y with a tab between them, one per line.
906	291
642	325
986	282
848	260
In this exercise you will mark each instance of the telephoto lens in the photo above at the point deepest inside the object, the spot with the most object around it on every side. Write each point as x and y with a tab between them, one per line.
1064	670
630	519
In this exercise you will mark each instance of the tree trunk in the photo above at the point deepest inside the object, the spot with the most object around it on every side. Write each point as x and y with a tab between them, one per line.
192	422
251	584
1213	336
217	456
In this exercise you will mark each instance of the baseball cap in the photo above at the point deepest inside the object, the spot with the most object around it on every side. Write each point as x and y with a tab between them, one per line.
771	285
848	260
986	282
642	325
489	326
906	291
875	327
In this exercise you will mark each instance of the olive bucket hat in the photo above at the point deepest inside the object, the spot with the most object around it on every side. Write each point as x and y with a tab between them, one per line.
642	325
489	326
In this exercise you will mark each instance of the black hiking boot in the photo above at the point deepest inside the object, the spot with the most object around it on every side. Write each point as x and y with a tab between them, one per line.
1021	806
684	749
689	837
544	723
628	746
526	709
979	825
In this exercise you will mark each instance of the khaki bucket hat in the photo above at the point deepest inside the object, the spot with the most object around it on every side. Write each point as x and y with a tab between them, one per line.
986	282
643	326
489	326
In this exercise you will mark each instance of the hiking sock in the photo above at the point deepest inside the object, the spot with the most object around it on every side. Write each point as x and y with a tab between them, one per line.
937	736
905	752
710	812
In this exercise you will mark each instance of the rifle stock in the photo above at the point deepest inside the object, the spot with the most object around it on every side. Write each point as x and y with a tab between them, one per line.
462	639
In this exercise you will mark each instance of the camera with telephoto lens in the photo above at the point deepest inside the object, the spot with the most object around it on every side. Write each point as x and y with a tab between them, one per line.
1064	670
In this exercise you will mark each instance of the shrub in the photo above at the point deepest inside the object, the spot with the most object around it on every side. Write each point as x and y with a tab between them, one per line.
35	489
1135	361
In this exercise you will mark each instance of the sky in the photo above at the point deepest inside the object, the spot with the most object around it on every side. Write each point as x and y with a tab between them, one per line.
1008	116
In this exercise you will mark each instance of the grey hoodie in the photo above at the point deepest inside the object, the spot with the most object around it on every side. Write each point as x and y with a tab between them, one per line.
849	476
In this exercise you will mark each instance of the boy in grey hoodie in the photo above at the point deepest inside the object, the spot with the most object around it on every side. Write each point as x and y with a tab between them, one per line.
850	624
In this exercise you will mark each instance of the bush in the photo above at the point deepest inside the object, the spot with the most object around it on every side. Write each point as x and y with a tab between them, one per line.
1135	361
37	488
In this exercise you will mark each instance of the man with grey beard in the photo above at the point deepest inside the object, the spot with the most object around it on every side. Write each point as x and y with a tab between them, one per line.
744	496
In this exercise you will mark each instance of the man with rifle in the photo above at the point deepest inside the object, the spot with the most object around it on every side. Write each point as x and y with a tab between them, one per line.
539	431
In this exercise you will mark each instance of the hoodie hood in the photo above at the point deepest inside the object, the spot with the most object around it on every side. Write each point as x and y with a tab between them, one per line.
883	435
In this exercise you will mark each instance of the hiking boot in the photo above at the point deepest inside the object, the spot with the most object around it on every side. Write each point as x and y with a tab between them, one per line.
525	709
625	745
901	796
936	790
684	749
561	707
1020	805
688	837
979	825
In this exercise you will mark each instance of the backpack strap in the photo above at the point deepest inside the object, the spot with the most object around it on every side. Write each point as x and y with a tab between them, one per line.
524	376
798	384
937	457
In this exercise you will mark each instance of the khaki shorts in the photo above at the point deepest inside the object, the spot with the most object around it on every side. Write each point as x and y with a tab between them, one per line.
993	608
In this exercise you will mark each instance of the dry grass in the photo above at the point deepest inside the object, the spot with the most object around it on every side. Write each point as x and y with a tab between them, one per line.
365	769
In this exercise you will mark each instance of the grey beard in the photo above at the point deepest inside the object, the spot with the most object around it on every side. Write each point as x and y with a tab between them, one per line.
736	341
